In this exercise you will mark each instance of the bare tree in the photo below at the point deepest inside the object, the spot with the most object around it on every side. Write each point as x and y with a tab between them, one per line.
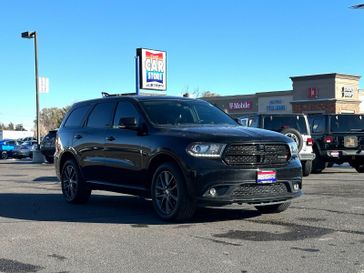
51	118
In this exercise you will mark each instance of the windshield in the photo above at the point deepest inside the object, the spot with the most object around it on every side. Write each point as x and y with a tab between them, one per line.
185	112
347	123
278	123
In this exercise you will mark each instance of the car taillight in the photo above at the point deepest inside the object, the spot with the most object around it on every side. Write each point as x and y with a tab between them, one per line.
328	139
309	141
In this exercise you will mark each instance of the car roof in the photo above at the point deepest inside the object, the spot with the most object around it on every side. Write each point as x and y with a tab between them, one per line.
135	98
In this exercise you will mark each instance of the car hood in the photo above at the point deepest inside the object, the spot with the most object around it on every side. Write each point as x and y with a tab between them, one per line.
227	134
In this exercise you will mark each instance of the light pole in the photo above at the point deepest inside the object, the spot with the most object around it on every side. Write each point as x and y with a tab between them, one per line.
33	35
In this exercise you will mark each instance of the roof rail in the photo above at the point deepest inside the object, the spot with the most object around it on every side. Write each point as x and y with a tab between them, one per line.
106	94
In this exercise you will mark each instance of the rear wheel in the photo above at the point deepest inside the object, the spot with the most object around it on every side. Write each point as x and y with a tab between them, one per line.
359	166
318	164
277	208
306	168
170	197
49	159
74	188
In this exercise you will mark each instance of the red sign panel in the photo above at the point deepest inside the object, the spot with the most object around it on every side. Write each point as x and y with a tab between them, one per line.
312	92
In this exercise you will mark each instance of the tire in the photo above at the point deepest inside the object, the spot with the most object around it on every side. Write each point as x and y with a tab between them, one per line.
4	155
359	166
330	164
169	194
49	159
295	135
306	167
318	164
273	208
74	188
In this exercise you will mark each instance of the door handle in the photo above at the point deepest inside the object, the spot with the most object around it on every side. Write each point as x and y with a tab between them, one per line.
78	136
110	138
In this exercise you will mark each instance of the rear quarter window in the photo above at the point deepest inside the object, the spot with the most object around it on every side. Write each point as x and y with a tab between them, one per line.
76	117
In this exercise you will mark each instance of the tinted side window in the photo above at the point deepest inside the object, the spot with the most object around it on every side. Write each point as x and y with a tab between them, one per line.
101	115
125	110
76	117
317	124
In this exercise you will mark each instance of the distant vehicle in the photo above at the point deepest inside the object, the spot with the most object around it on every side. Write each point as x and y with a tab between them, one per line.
295	126
47	146
6	147
180	152
24	150
338	138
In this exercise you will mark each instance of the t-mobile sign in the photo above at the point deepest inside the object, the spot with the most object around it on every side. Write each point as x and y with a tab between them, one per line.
240	105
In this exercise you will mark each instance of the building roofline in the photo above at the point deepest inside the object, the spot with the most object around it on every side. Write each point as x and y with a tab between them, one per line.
325	76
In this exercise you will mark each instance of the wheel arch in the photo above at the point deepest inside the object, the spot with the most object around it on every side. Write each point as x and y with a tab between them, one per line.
159	159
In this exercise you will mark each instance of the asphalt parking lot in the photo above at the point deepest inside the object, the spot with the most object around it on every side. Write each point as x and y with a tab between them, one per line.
39	232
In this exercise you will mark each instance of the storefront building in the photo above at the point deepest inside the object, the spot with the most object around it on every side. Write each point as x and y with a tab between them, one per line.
324	93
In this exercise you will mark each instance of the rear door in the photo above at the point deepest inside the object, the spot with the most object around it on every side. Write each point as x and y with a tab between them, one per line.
123	149
89	141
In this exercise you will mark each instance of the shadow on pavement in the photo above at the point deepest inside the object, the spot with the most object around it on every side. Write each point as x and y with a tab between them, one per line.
121	209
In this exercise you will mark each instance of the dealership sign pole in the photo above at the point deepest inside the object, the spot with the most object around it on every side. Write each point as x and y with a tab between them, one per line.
151	70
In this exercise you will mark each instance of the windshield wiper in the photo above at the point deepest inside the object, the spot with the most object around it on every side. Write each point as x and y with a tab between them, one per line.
357	130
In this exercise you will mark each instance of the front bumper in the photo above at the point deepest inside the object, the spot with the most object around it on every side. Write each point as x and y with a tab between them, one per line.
239	185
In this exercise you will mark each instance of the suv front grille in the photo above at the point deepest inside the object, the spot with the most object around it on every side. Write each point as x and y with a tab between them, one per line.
256	190
256	154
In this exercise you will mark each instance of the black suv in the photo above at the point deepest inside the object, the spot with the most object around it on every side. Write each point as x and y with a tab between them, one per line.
337	139
47	145
180	152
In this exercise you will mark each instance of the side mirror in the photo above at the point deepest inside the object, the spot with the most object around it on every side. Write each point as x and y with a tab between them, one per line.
128	123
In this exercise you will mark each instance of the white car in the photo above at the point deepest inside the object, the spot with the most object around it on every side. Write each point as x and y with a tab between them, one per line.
295	126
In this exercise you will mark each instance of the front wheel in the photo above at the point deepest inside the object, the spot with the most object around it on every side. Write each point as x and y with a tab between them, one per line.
170	197
74	188
306	168
277	208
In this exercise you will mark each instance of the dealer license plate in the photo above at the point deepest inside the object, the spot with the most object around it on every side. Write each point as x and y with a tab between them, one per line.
266	177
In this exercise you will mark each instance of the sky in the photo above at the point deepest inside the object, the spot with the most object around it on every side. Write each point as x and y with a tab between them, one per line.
227	47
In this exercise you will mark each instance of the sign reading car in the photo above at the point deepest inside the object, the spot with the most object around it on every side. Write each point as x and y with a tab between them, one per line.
152	66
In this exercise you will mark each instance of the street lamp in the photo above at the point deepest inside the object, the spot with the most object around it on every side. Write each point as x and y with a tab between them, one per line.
33	35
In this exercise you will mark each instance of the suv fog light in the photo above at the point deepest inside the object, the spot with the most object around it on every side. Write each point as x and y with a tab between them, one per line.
212	192
296	187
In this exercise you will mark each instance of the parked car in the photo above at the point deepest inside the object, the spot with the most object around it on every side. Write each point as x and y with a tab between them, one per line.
24	149
6	148
295	126
47	145
338	138
180	152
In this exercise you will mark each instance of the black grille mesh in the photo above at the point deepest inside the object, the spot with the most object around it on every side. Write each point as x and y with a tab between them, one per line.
256	154
257	190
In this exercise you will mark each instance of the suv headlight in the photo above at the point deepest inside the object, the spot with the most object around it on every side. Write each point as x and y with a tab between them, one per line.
293	148
206	149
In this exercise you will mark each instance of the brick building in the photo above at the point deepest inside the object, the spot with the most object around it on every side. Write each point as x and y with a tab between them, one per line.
324	93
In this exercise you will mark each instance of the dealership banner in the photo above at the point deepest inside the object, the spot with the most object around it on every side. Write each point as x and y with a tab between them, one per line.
152	69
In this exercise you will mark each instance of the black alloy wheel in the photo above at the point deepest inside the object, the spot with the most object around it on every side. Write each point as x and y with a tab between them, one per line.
74	188
169	195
